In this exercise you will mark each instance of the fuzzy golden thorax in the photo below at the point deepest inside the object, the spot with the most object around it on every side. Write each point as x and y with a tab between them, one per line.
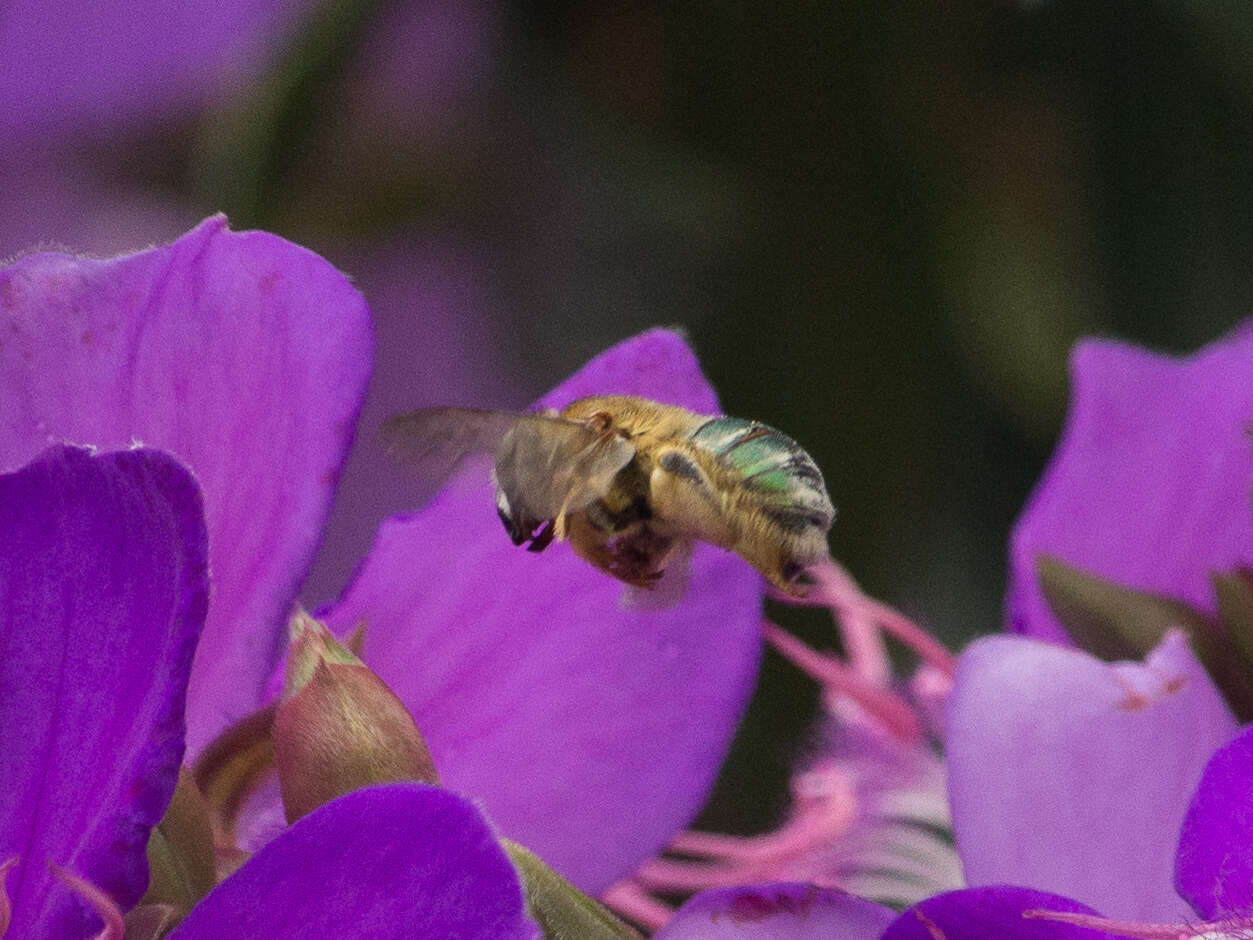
693	493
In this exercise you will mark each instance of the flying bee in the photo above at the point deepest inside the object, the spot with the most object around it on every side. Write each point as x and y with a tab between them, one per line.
632	483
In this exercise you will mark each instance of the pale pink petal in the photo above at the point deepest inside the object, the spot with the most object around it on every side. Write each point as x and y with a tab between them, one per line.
1070	775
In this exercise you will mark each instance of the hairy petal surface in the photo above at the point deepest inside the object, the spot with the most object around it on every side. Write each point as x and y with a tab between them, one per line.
402	860
1071	775
990	913
103	590
1215	865
785	910
243	355
590	732
1150	483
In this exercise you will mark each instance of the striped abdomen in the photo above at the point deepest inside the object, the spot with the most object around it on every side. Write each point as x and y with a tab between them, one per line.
775	467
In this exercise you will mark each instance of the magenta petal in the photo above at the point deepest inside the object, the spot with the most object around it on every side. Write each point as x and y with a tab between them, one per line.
103	588
991	913
1214	871
423	296
403	860
657	364
1067	774
240	353
1150	484
590	733
785	910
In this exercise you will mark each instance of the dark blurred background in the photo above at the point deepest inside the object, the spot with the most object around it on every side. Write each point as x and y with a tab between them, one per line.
883	224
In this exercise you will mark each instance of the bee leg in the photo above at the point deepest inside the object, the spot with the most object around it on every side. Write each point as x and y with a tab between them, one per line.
791	570
542	538
591	542
598	517
640	556
601	518
539	534
513	526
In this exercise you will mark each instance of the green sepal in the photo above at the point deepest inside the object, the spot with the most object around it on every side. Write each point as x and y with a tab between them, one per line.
233	767
180	853
1114	622
149	921
1108	620
1235	608
562	911
1235	630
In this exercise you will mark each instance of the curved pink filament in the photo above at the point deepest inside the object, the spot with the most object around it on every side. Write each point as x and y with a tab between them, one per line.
6	905
1143	931
893	712
114	928
837	589
631	900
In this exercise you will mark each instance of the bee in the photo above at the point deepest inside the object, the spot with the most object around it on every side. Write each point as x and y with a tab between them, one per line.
632	483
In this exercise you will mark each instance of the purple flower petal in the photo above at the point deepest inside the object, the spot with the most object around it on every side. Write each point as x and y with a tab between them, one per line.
403	860
1214	872
1150	484
472	363
1067	774
785	910
991	913
83	67
589	732
103	589
242	354
656	364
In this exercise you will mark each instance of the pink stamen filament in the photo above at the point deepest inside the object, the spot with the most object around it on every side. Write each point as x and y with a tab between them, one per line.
114	927
931	926
863	641
733	860
837	590
864	646
930	686
716	845
1142	931
821	816
627	897
6	905
661	874
894	713
818	821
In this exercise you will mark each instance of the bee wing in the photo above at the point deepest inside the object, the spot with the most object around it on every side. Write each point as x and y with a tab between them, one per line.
548	466
545	465
434	441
